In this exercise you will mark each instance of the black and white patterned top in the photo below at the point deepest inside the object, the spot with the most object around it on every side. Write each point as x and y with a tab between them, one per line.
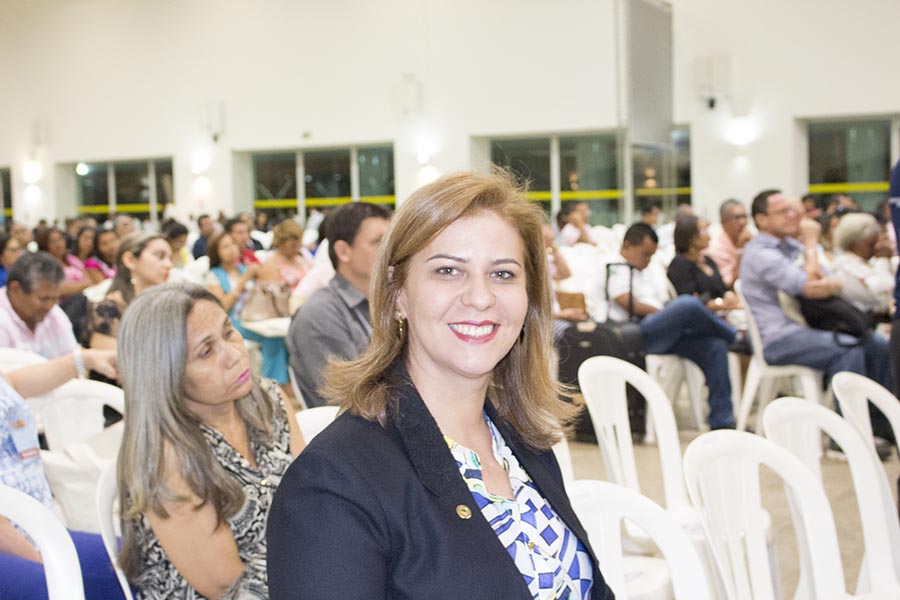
160	579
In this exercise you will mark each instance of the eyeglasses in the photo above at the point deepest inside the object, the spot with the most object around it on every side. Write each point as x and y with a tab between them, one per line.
783	211
736	217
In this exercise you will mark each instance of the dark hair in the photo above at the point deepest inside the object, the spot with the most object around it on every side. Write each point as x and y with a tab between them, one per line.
43	238
4	242
201	217
100	234
174	229
637	233
647	206
686	228
761	202
73	248
565	210
33	267
212	249
135	242
344	224
230	223
725	207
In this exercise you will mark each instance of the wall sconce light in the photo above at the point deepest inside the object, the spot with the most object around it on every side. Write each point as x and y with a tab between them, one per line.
31	171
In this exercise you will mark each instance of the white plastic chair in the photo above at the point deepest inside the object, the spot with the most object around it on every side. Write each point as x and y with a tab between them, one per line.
14	358
295	387
721	470
761	376
74	411
854	392
107	513
564	458
61	566
313	420
797	425
671	372
602	508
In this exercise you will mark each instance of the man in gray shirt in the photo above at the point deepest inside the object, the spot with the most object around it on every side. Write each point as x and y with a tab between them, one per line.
775	260
335	322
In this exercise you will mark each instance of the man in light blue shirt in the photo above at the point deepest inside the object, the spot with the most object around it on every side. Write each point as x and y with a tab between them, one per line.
784	258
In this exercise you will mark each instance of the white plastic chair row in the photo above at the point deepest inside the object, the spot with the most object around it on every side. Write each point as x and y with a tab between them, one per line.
74	411
313	420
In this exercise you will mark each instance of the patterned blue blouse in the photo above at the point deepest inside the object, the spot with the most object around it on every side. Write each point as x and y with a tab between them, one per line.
552	560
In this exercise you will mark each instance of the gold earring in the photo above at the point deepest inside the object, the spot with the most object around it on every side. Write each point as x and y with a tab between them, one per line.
399	317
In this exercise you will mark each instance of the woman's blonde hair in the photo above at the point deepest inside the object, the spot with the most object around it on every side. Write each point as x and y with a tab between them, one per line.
521	389
152	354
286	231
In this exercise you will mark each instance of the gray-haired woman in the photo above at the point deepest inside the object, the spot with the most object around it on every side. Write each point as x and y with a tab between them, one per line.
204	447
863	263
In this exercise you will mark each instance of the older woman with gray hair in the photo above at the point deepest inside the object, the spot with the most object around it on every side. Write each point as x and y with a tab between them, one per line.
863	263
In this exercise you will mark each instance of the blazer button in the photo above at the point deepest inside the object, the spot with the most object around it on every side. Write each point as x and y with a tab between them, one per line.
463	511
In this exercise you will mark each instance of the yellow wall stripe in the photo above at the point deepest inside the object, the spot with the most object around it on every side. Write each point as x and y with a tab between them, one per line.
7	212
843	188
280	203
653	192
102	209
333	201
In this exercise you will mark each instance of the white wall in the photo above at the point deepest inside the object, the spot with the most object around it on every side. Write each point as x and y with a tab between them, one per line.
791	60
117	80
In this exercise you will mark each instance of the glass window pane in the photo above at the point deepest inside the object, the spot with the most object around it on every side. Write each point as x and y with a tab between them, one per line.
376	171
93	190
6	193
275	184
850	152
589	173
165	184
133	189
681	139
653	175
529	160
327	176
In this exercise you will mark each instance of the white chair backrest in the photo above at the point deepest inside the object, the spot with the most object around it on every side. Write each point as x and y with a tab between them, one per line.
196	271
74	411
313	420
14	358
795	424
602	380
752	327
97	292
564	458
854	392
61	566
107	513
602	507
721	470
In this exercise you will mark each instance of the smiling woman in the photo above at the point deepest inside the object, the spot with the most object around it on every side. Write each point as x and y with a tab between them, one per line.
204	447
438	480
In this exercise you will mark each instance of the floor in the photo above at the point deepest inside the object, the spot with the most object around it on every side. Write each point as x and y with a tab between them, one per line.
588	464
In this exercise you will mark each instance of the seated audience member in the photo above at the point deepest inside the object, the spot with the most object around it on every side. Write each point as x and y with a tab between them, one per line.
811	206
829	223
771	266
863	264
207	228
10	251
439	480
650	213
894	207
334	322
73	226
102	262
204	447
262	221
240	233
695	274
21	233
176	234
53	242
727	247
143	261
573	220
666	233
21	574
840	202
82	247
30	316
289	262
247	218
230	281
123	225
683	326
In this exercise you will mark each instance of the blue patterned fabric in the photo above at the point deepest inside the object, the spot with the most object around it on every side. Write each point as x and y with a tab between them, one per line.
552	560
24	475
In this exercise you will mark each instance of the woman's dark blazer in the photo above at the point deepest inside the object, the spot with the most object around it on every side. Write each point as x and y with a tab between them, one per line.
367	512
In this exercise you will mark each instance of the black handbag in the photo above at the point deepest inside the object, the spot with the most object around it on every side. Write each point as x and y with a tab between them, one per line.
837	315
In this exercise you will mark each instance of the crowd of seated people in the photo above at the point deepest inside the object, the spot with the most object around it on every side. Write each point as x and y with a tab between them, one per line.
206	443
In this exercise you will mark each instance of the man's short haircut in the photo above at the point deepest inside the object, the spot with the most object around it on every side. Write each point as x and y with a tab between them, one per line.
345	221
174	230
230	223
726	207
637	233
647	206
201	217
34	267
761	202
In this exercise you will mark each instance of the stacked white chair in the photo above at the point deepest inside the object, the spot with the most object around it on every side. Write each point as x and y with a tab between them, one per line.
762	376
854	392
721	470
313	420
797	425
603	508
61	566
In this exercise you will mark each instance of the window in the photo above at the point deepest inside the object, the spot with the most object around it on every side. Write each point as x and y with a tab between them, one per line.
330	177
681	138
5	196
588	170
131	187
850	157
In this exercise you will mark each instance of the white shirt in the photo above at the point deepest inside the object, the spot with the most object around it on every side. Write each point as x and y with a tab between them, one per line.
648	287
868	285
